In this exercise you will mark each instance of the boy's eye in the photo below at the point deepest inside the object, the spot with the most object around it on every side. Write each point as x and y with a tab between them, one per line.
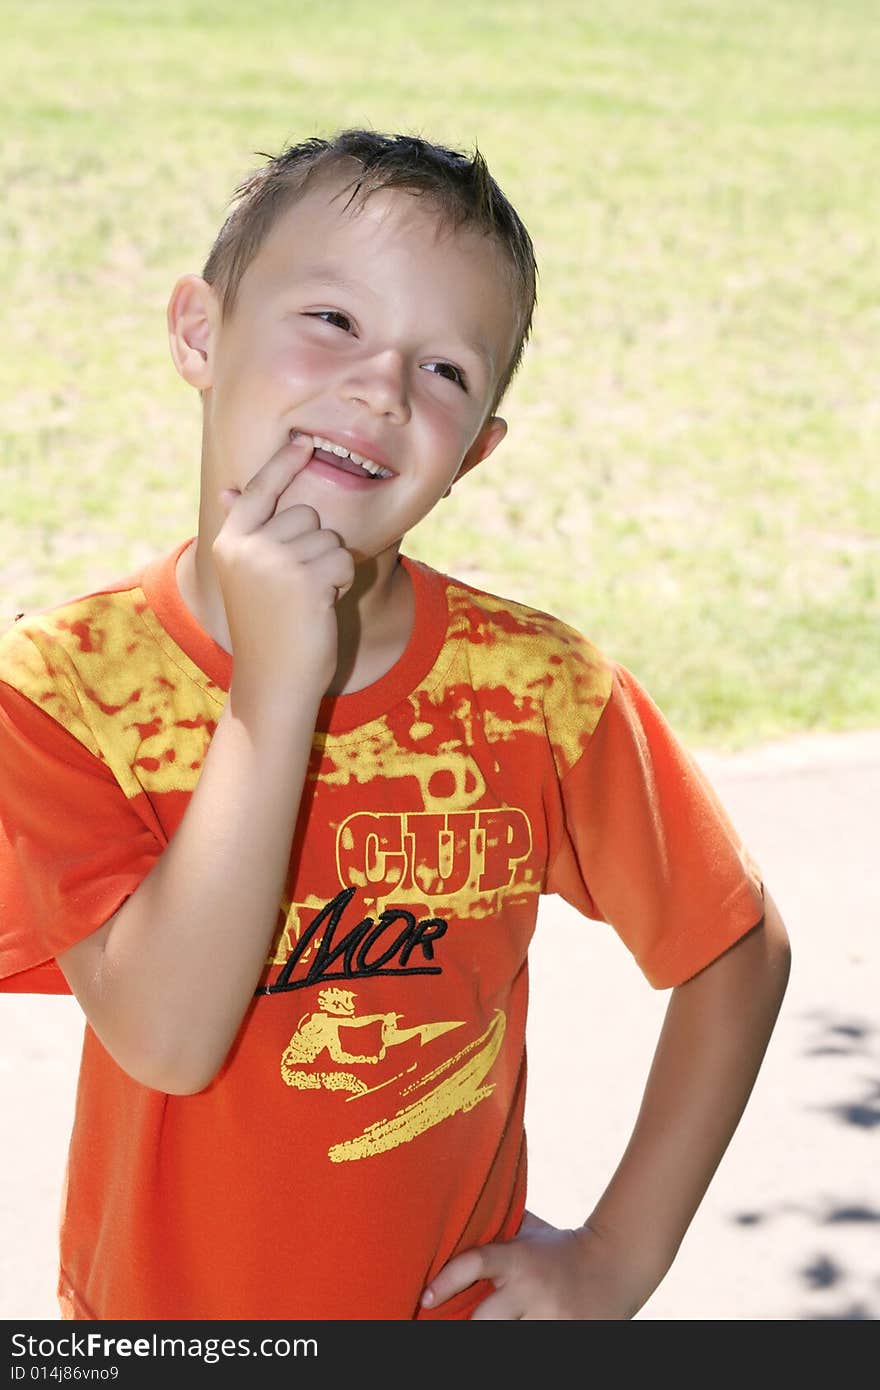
334	316
446	369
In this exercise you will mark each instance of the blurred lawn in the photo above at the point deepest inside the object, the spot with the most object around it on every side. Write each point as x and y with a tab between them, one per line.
691	475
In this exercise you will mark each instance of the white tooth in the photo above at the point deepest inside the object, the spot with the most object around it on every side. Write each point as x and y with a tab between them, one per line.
340	450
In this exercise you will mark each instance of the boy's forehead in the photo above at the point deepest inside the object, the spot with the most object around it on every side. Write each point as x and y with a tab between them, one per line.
330	224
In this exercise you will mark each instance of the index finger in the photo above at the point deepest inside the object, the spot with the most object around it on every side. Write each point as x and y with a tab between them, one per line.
456	1276
256	502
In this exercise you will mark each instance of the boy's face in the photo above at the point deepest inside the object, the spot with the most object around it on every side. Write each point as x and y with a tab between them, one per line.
372	329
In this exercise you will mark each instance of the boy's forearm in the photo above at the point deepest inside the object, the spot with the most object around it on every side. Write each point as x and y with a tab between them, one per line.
182	956
711	1046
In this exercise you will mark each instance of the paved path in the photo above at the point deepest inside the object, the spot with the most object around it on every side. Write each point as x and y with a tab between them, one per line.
790	1228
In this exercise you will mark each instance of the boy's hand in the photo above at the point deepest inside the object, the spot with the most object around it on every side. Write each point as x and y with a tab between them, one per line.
280	574
546	1274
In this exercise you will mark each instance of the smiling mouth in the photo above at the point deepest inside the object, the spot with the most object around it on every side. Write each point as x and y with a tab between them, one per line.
337	456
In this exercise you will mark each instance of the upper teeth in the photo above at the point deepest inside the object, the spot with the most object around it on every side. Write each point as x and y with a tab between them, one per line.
339	449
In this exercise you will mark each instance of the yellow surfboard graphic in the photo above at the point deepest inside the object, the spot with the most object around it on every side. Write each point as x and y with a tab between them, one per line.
456	1085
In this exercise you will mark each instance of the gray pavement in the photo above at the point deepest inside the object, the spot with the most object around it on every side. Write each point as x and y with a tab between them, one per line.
790	1227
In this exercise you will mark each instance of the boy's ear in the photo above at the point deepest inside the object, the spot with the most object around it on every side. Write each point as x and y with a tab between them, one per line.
192	315
489	437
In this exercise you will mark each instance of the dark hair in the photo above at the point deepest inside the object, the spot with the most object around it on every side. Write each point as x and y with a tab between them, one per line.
460	187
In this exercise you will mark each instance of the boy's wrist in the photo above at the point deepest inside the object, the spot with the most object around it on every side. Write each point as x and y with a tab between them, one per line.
636	1264
277	708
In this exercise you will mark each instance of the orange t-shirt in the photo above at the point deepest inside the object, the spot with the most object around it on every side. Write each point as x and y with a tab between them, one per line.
368	1122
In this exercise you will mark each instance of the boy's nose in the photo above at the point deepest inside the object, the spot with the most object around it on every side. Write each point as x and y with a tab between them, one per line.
379	383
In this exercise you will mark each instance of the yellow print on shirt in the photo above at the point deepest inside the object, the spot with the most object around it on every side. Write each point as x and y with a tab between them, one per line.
460	863
455	863
319	1032
453	1085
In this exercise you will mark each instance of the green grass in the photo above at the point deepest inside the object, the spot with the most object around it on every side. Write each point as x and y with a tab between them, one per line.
691	471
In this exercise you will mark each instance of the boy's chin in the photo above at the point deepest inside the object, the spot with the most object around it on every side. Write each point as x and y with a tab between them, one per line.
288	499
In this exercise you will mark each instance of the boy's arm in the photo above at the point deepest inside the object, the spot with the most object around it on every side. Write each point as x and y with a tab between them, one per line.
165	983
711	1046
713	1040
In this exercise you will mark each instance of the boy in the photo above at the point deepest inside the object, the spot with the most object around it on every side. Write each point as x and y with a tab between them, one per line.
280	809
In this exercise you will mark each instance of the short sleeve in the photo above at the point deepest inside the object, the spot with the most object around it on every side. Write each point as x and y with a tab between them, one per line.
645	844
73	847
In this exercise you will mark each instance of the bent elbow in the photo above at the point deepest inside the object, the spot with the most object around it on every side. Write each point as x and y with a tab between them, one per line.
174	1083
172	1074
777	945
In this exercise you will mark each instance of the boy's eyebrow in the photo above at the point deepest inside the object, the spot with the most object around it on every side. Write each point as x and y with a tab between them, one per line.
328	275
480	350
